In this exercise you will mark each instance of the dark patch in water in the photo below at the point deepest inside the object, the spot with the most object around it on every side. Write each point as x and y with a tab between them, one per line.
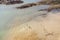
14	2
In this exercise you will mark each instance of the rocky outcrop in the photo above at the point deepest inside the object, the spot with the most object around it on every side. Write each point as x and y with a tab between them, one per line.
14	2
26	5
39	3
10	1
45	2
30	5
51	8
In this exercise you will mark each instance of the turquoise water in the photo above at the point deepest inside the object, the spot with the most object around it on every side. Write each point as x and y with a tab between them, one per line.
9	15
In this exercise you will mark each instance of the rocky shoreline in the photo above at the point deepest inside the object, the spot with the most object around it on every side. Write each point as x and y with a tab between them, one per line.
51	8
52	3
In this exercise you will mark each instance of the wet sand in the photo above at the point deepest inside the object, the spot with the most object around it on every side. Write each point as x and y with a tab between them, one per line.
46	28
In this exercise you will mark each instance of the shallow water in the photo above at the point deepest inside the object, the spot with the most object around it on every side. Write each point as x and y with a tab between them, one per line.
8	12
10	16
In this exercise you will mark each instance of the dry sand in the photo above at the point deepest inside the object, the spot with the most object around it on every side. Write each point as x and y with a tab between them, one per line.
40	28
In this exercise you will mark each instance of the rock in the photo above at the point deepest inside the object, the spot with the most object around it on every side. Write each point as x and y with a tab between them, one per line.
26	5
51	8
14	2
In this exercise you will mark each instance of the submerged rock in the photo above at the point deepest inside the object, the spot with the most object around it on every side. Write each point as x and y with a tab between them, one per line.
26	5
51	8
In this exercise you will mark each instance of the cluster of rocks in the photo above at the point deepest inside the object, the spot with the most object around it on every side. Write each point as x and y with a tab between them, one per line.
51	8
26	6
45	2
31	4
10	1
14	2
53	1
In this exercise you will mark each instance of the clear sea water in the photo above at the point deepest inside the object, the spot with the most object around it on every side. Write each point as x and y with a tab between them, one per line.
9	14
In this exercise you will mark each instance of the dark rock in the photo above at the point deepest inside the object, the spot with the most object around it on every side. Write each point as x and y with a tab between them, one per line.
14	2
26	5
0	2
51	8
22	7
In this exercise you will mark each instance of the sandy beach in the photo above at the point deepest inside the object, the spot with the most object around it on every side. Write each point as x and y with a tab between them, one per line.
47	28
